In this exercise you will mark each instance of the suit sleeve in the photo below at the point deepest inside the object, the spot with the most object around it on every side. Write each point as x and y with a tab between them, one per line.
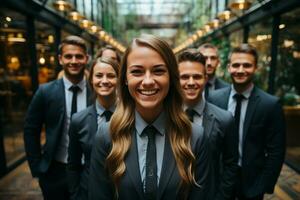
34	121
275	147
100	183
229	160
201	167
74	168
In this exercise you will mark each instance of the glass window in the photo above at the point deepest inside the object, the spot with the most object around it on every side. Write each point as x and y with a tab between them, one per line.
46	52
15	82
260	36
288	82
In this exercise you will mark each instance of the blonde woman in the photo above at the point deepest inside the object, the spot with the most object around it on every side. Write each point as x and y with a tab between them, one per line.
84	125
150	150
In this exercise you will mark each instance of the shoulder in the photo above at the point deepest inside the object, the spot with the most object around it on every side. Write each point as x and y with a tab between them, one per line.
221	83
82	115
216	111
265	96
51	87
219	94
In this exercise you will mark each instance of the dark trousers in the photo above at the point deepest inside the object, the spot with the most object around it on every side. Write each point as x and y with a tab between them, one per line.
238	191
54	183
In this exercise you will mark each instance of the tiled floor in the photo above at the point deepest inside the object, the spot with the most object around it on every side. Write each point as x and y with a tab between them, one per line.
19	185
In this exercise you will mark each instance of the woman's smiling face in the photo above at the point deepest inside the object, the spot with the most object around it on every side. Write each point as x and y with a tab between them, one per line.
147	78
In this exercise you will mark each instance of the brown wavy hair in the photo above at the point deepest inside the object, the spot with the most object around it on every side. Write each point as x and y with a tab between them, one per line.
178	125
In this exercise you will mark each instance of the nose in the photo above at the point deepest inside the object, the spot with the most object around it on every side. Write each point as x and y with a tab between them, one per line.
240	69
191	81
73	60
148	79
104	79
208	61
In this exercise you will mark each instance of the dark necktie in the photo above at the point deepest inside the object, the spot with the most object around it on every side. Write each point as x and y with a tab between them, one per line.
206	91
190	113
107	114
151	166
237	113
75	90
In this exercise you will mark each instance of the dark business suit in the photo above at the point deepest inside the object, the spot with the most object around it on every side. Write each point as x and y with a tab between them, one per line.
46	108
130	187
82	132
218	127
263	141
219	83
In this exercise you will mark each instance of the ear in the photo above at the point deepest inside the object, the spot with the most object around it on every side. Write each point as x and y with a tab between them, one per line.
60	59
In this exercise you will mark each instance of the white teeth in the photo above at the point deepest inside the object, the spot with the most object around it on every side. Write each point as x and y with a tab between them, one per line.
148	92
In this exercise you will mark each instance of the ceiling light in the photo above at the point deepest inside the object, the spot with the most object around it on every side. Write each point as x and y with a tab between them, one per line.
225	15
62	5
75	16
85	23
240	4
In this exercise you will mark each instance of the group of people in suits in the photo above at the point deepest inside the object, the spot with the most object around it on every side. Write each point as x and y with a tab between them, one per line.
155	128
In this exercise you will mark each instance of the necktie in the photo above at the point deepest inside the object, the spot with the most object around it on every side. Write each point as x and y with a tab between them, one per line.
107	114
206	91
74	89
151	166
190	113
237	112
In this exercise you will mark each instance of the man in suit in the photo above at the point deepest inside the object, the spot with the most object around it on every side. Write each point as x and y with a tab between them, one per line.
52	107
210	53
218	125
260	123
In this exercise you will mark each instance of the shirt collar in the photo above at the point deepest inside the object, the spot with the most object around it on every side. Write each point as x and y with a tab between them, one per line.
68	84
199	107
100	109
159	123
246	93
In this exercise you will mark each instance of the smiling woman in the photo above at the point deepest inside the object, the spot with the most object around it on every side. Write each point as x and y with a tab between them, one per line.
149	122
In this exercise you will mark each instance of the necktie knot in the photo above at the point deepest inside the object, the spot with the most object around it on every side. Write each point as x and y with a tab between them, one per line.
238	97
74	88
107	114
190	113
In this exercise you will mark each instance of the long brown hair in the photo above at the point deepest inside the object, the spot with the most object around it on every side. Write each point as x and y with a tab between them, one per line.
178	125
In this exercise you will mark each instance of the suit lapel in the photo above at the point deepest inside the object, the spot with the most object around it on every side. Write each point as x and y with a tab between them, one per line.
253	100
61	101
224	101
94	123
208	121
89	98
132	167
168	167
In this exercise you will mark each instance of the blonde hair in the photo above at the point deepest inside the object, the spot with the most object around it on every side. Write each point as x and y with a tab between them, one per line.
178	125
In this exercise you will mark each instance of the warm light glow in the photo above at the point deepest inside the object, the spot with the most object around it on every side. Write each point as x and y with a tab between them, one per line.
62	5
94	28
52	59
50	39
288	43
281	26
75	16
85	23
8	19
42	60
240	4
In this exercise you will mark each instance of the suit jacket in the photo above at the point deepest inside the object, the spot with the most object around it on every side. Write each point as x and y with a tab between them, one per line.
82	132
263	140
219	83
218	127
46	108
130	187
